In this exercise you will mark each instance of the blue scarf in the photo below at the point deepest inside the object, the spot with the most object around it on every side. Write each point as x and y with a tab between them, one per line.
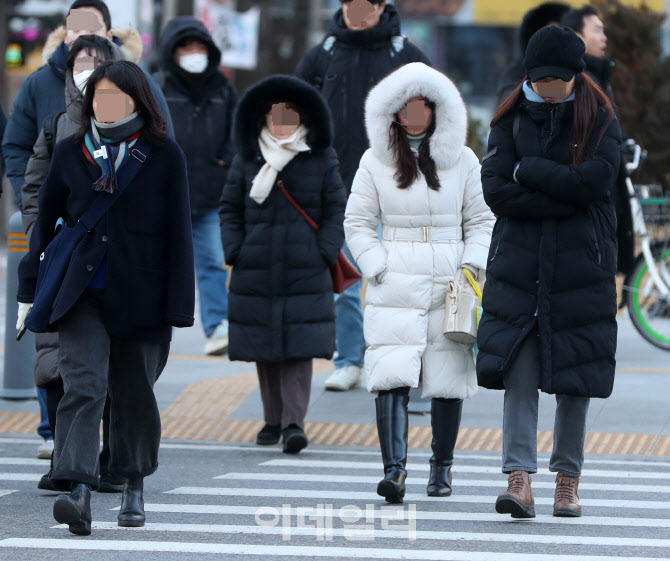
109	146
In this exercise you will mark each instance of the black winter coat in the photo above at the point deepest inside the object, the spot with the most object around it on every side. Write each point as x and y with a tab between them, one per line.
280	304
553	252
358	61
145	237
202	113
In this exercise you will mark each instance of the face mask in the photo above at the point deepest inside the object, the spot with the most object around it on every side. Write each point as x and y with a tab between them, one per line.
81	79
195	63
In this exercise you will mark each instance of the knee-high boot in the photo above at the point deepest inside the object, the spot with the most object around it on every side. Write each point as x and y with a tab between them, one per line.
445	419
392	422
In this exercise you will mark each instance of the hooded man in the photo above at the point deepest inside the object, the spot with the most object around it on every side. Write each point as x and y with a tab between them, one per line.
549	13
202	101
363	45
41	95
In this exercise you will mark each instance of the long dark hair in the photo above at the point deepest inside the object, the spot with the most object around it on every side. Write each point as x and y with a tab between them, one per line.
92	44
589	100
130	79
407	170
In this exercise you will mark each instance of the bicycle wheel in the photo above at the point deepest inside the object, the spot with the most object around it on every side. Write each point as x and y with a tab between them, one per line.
649	312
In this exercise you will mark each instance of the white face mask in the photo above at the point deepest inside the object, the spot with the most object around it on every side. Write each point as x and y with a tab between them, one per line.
195	63
81	79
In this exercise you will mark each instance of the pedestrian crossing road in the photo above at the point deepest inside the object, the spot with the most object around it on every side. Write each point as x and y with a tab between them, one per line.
217	501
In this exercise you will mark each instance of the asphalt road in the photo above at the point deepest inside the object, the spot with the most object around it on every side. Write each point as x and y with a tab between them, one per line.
214	501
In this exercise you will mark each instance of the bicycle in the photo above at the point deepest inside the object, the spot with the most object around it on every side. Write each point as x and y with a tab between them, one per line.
647	287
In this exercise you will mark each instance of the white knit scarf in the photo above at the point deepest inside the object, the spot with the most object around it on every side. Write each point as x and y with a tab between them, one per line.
277	154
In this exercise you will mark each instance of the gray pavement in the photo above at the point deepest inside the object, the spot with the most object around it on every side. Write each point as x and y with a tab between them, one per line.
211	501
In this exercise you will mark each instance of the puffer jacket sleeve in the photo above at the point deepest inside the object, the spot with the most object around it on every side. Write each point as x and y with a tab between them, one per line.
360	224
36	172
581	184
504	196
478	220
334	200
231	212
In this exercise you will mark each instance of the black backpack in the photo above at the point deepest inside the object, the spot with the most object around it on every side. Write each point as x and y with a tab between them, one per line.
325	55
50	129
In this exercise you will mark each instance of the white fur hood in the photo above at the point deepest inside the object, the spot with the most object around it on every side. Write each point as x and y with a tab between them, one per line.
392	94
131	43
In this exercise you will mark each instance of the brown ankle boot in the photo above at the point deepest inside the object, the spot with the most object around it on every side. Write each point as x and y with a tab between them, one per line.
566	500
518	499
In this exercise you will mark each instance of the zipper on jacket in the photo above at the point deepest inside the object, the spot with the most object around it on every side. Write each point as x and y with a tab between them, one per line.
502	231
595	237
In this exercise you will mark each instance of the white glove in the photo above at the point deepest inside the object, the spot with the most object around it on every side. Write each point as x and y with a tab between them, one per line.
23	314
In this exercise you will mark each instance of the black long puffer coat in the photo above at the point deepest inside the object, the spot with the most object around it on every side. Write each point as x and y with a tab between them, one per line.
280	304
552	261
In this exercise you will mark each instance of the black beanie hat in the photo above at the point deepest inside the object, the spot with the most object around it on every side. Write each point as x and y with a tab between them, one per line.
554	52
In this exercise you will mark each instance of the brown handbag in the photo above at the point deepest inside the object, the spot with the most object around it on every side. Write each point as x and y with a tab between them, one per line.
343	272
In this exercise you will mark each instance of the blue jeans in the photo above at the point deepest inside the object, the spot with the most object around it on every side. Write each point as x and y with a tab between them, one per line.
209	269
349	323
44	430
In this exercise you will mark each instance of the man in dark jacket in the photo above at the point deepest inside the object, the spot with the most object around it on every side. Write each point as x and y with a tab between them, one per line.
588	26
363	46
41	95
549	13
202	101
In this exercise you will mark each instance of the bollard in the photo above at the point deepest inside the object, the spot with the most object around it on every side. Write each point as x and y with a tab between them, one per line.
18	381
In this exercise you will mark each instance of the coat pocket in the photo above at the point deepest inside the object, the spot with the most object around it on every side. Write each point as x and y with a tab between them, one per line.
594	235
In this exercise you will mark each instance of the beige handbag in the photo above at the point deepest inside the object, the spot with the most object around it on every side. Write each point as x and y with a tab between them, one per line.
462	312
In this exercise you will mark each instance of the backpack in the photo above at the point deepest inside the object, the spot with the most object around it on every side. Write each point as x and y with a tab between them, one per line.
325	55
50	128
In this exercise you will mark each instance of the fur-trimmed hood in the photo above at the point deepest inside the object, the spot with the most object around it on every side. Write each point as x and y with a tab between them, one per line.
391	94
129	40
275	89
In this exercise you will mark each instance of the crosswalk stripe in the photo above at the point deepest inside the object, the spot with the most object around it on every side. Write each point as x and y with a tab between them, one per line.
238	476
409	498
297	551
390	512
458	468
374	533
23	462
20	476
4	492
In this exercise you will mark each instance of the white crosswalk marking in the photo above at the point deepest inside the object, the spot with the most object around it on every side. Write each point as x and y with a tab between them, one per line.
496	483
319	505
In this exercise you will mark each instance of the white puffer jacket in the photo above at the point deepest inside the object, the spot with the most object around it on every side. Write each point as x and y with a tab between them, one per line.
405	301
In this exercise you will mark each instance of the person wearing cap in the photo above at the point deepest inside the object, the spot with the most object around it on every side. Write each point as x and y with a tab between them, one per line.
548	13
550	303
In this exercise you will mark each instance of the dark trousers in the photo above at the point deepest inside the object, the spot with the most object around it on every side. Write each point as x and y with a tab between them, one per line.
285	389
93	364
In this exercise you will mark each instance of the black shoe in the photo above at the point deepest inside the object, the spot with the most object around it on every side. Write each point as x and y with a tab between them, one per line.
45	483
110	483
392	421
294	439
132	514
75	509
269	435
445	419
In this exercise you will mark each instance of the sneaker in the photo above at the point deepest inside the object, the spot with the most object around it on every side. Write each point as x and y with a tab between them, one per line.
217	342
345	378
294	439
269	435
45	450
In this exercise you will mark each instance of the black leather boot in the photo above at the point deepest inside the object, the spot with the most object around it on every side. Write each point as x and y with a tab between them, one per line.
132	514
392	429
445	418
75	509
